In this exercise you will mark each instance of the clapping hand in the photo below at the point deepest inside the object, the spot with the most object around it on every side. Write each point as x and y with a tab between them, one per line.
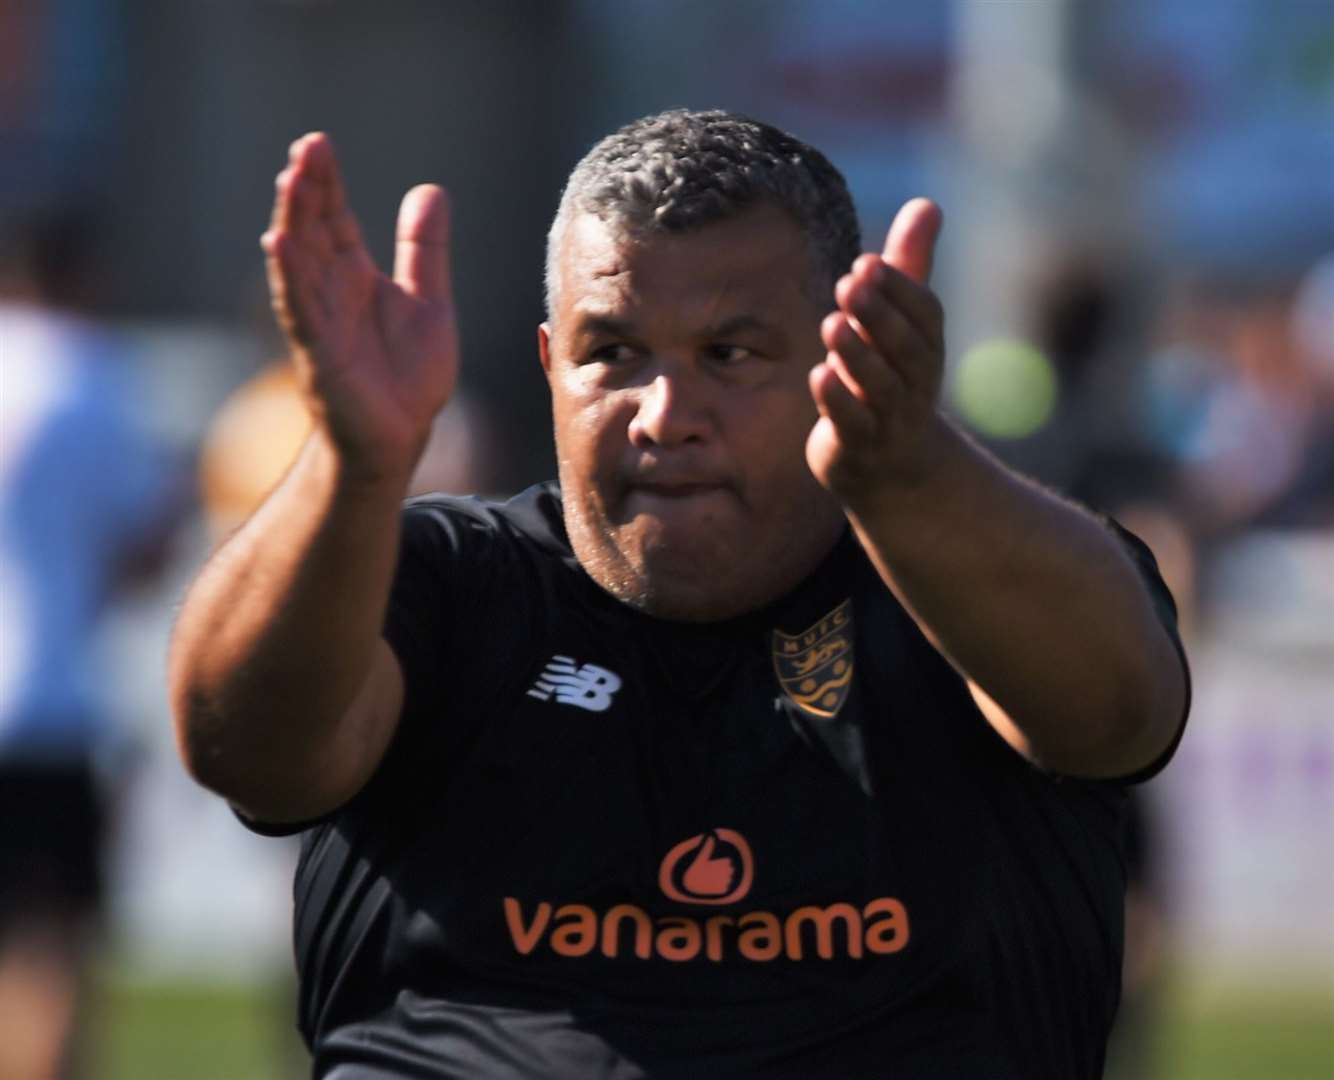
879	385
376	357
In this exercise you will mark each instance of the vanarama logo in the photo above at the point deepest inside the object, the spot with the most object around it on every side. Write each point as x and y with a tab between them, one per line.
710	868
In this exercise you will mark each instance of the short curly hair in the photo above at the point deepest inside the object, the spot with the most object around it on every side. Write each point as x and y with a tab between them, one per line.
681	170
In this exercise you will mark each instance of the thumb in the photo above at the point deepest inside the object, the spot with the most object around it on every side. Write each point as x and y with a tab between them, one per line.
705	850
421	249
910	246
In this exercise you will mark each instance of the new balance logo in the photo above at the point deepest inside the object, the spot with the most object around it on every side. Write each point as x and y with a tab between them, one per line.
589	687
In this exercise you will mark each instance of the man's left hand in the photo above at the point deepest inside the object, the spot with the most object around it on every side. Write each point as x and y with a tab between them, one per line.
879	385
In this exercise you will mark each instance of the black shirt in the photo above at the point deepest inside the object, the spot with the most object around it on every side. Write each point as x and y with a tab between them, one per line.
602	845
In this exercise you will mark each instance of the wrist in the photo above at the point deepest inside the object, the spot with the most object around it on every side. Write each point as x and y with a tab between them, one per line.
918	481
357	474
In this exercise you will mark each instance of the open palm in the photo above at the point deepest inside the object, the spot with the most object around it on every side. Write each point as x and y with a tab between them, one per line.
376	357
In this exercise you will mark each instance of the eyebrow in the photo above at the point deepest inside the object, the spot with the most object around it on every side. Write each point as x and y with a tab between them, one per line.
603	326
599	325
739	324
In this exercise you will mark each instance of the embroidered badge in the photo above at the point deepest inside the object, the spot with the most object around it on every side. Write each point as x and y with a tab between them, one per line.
814	667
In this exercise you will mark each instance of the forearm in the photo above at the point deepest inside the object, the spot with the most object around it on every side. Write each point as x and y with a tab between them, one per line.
1032	599
1036	602
277	635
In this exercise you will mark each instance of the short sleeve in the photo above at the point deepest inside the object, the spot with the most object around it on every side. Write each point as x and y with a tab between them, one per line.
1166	608
452	584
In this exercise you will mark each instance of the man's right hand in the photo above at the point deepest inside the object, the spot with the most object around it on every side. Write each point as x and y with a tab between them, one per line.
377	358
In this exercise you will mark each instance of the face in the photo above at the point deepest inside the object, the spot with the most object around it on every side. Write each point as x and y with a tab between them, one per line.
678	371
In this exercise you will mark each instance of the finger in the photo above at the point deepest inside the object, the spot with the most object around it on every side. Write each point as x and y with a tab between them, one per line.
279	299
305	225
883	327
910	246
869	310
294	193
277	287
865	372
309	162
421	252
854	422
915	302
316	152
295	306
277	217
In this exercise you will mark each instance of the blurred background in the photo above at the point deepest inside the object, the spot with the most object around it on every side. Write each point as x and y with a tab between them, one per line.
1138	267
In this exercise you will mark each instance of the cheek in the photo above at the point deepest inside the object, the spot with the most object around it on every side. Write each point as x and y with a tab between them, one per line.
591	430
777	475
776	430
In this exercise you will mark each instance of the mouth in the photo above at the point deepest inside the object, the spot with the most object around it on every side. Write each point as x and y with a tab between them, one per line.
669	499
675	490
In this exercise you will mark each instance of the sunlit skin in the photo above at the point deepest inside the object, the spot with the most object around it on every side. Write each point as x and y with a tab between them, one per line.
679	370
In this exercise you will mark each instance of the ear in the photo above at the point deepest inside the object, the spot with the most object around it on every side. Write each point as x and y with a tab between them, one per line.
544	346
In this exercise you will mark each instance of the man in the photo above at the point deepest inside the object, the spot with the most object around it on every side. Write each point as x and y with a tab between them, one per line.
781	739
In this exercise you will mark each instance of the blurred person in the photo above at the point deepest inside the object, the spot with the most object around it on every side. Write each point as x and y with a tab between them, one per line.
258	432
1088	319
250	443
1313	323
86	502
789	734
1245	406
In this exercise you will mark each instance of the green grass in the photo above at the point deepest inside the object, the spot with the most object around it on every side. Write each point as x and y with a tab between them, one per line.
1234	1033
145	1030
193	1031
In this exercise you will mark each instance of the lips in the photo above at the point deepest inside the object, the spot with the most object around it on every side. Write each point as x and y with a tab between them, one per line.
667	498
677	489
657	483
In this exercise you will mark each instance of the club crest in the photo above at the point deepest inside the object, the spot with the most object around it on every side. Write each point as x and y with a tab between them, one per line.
814	667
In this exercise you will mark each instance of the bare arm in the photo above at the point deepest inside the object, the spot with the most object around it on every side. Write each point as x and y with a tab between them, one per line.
1031	598
284	694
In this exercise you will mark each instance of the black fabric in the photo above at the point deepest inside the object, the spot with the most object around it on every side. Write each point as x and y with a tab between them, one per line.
667	866
51	843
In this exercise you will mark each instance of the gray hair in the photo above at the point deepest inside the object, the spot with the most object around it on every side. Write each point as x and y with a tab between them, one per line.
681	170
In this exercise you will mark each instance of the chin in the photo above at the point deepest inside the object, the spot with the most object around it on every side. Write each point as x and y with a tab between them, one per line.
701	585
693	605
682	586
698	587
696	575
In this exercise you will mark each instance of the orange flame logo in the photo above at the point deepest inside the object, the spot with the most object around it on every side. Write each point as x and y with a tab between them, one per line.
715	867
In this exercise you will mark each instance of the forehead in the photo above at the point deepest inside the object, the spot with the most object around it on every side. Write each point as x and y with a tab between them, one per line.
759	260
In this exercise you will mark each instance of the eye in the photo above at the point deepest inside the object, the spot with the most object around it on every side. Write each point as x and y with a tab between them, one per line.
725	355
618	353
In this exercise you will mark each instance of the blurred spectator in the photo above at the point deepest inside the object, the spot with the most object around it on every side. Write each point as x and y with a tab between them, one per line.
1245	407
257	433
250	443
86	505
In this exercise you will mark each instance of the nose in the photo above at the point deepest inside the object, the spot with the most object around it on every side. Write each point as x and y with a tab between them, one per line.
672	410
